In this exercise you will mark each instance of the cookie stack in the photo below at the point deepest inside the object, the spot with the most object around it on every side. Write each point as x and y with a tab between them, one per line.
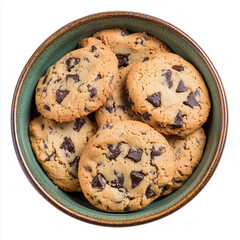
120	120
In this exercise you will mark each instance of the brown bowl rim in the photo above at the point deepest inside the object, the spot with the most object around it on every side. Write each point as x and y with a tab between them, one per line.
176	206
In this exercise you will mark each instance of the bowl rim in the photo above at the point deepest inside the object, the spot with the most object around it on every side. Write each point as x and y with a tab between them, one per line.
163	24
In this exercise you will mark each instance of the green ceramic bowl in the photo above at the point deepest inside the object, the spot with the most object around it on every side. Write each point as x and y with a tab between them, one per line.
65	40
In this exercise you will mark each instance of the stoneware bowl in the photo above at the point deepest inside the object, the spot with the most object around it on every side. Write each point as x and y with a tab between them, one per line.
66	39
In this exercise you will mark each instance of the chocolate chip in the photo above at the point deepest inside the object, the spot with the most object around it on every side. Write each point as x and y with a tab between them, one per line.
99	181
149	192
74	77
75	162
135	155
96	55
111	80
140	40
155	99
78	124
114	152
94	48
178	68
146	116
126	209
45	79
68	145
42	126
136	178
98	77
86	110
156	152
46	107
57	80
125	32
71	63
109	109
191	101
168	76
107	125
178	121
93	91
123	108
145	59
122	59
131	101
86	59
61	94
181	87
118	182
49	156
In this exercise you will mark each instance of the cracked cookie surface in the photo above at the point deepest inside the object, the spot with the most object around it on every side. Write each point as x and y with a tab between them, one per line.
129	49
58	148
187	152
79	83
125	166
169	94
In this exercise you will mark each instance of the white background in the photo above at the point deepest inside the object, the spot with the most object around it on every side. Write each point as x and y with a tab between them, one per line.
213	213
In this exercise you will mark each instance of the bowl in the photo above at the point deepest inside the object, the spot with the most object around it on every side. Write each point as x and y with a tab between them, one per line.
66	39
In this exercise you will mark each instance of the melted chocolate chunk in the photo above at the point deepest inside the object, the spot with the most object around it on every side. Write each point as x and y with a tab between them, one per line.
61	94
122	59
178	68
75	162
145	59
146	116
136	178
74	77
42	126
149	192
118	182
178	121
114	152
191	101
181	87
168	76
46	107
78	124
135	155
155	99
93	91
86	59
94	48
156	152
99	181
49	156
125	32
68	145
71	63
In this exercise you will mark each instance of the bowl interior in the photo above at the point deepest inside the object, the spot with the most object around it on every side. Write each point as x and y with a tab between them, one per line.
68	41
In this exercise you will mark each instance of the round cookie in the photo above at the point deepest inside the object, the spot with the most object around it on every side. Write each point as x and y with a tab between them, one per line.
187	152
58	148
169	94
125	166
79	83
129	49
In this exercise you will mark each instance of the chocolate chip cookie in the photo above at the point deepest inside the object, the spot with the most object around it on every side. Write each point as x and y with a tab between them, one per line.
79	83
58	148
187	152
169	94
129	49
125	166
